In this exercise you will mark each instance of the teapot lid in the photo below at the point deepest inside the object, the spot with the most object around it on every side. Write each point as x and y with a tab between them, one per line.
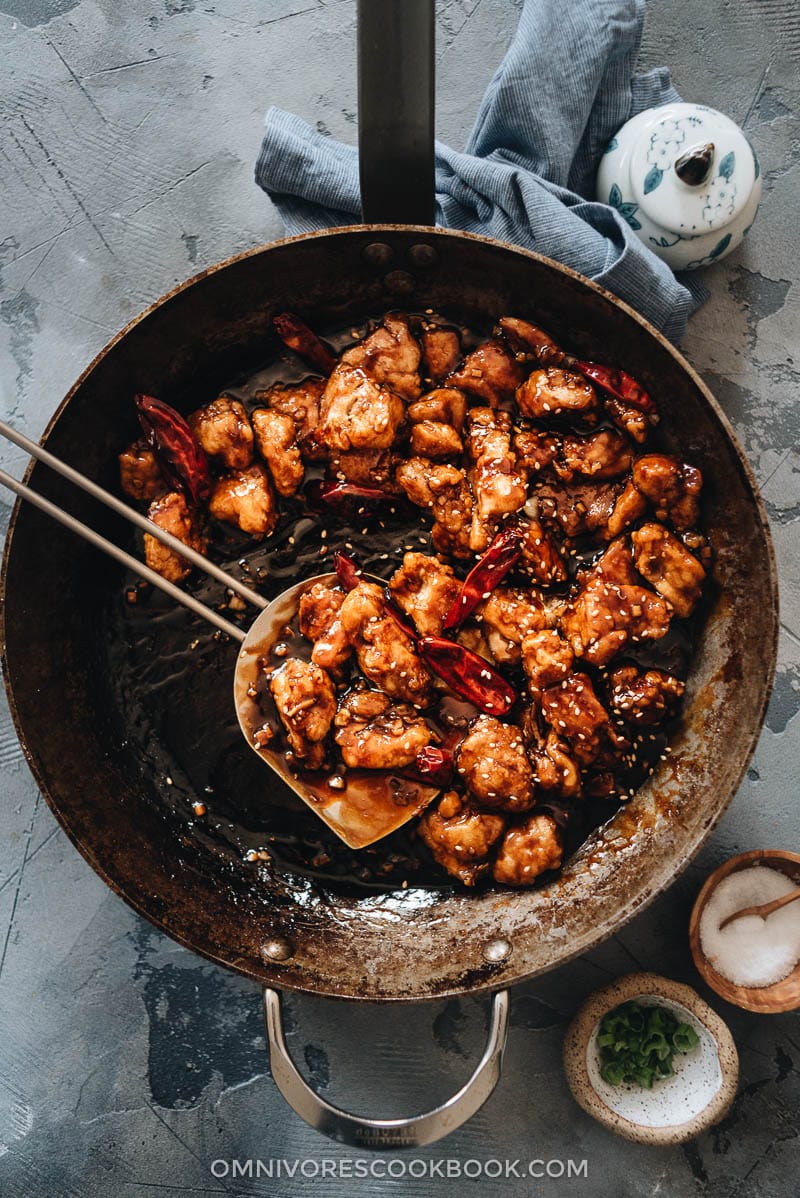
692	169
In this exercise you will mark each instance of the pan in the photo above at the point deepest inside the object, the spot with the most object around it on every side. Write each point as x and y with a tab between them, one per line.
123	759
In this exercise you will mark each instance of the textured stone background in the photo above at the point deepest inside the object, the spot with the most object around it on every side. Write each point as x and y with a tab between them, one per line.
127	1065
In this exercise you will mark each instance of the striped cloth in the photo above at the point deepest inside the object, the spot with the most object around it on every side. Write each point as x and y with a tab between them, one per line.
527	174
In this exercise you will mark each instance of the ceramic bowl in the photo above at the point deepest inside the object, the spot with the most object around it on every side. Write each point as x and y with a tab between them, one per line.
766	1000
677	1108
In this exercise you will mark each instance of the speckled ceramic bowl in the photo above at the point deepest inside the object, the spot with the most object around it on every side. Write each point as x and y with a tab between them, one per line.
677	1108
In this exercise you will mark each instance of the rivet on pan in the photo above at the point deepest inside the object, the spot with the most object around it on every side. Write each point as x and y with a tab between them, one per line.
378	253
497	950
423	255
399	282
277	949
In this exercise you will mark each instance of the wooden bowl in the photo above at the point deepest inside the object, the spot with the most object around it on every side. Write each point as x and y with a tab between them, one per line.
766	1000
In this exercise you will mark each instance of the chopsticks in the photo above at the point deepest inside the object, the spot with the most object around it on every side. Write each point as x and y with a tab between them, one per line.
133	517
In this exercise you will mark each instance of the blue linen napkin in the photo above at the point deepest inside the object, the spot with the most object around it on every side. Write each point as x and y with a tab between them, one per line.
527	173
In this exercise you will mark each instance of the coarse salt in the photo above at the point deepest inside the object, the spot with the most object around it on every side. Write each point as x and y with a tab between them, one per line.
751	951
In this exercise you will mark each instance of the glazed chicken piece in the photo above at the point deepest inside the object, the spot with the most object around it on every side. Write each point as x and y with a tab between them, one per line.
426	589
628	507
613	565
320	622
366	468
356	412
580	509
541	557
300	401
555	392
441	352
605	616
432	439
498	487
275	440
530	340
222	429
536	450
444	405
390	356
554	768
668	566
443	489
140	474
172	513
673	489
245	499
546	657
601	455
644	697
306	703
375	734
385	654
506	616
491	373
576	715
494	765
461	837
633	421
528	849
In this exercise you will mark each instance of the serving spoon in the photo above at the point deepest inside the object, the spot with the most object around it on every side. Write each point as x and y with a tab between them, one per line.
363	806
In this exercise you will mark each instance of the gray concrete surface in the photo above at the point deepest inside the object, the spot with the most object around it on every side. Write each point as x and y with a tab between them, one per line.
127	1065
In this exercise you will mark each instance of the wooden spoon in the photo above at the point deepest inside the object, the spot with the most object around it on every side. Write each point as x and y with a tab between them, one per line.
764	909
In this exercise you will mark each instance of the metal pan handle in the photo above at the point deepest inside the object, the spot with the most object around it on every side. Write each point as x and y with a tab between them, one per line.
361	1132
396	111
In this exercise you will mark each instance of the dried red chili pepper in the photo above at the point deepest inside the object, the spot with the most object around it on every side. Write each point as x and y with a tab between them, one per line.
352	500
468	674
347	570
433	767
300	338
488	573
180	457
619	384
399	616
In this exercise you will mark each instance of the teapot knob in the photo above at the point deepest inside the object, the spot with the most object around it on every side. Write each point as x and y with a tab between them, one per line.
694	165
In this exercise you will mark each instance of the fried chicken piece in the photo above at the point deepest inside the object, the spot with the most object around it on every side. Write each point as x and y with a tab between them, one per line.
300	401
601	455
604	616
460	837
222	429
546	657
581	510
614	565
494	765
644	697
172	513
366	468
507	615
356	412
555	770
320	622
491	373
431	439
553	392
376	734
575	713
245	499
628	507
633	421
672	488
541	556
385	654
536	449
443	489
441	352
426	589
275	440
390	356
528	849
668	566
529	339
140	474
306	703
444	405
498	487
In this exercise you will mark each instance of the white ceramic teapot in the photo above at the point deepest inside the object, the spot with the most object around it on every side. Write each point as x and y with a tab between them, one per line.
686	180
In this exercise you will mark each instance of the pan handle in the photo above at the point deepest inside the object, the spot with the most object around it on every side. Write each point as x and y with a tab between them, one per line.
361	1132
396	111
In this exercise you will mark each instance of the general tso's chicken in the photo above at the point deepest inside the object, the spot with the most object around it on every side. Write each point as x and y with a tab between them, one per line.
140	474
672	487
223	431
528	849
426	589
615	565
546	657
376	734
506	616
390	356
628	507
443	489
668	566
441	352
601	455
306	703
491	373
172	513
494	765
444	405
536	450
498	487
460	836
320	622
581	510
530	340
633	421
541	557
300	401
245	499
644	697
556	392
432	439
356	412
385	654
555	770
366	468
605	616
575	713
275	440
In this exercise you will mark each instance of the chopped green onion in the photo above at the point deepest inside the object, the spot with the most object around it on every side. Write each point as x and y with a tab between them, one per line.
639	1043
